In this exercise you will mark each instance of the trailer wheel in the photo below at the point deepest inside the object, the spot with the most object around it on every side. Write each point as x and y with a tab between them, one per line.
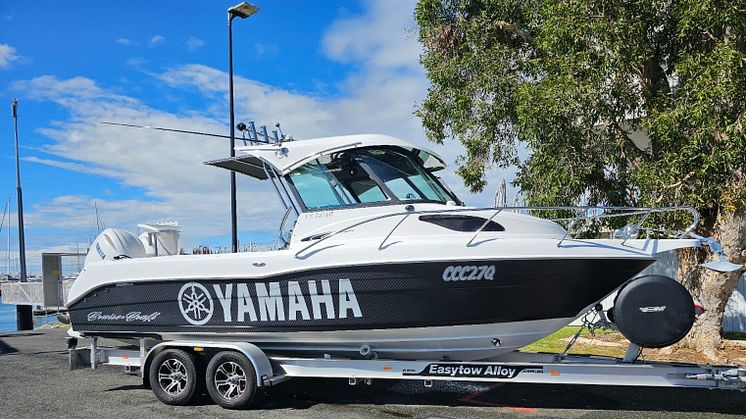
173	377
231	380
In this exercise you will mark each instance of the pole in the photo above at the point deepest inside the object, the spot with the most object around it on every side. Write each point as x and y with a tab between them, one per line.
234	214
7	250
24	315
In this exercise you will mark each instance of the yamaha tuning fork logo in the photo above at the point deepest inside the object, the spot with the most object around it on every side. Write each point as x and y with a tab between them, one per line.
195	303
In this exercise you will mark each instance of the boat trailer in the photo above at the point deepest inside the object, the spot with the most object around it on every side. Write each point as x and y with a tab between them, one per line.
517	367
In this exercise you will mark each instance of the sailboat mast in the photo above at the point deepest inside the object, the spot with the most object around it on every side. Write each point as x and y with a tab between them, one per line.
7	249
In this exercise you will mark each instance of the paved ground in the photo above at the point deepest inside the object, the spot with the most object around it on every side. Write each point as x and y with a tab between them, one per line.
34	381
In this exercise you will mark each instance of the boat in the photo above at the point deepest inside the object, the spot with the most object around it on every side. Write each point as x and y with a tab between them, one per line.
381	259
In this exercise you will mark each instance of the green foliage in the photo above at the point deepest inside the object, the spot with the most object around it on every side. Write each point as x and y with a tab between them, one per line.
572	81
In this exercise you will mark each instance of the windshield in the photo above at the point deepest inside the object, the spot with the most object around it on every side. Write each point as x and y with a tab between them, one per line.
403	176
364	177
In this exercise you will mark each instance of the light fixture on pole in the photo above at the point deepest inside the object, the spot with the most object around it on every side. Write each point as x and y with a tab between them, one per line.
242	10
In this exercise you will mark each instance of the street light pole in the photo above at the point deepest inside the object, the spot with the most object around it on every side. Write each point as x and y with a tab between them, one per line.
24	314
242	10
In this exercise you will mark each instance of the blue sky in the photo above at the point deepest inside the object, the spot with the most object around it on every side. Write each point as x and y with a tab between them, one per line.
318	67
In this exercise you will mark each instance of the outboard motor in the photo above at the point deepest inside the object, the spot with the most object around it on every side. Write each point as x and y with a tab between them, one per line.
653	311
114	244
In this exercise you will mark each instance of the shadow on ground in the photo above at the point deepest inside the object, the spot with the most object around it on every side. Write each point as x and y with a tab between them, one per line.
304	393
531	398
6	349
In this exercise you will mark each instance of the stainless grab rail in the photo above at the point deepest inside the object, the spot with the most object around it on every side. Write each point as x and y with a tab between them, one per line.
479	230
583	215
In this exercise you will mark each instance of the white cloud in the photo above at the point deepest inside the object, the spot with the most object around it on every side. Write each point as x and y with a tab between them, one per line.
266	50
8	54
156	40
168	167
72	166
136	61
384	37
124	41
193	43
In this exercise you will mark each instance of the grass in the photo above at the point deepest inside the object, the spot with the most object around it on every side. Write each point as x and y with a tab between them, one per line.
557	341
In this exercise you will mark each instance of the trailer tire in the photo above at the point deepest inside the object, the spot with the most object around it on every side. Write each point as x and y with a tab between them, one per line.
231	380
173	377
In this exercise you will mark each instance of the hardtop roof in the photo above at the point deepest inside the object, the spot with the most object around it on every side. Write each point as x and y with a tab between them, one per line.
289	155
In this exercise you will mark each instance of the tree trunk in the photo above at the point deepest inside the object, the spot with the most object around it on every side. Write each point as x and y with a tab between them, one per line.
713	289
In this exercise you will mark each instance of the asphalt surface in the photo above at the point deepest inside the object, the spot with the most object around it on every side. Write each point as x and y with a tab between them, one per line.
35	380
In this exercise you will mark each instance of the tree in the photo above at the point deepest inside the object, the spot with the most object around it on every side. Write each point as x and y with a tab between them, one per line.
573	82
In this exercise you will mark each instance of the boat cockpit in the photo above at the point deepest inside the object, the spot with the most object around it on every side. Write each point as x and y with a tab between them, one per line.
344	173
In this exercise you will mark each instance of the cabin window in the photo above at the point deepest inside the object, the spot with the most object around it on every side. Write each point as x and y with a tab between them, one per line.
330	183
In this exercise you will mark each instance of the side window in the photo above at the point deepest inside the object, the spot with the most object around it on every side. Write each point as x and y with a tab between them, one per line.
314	187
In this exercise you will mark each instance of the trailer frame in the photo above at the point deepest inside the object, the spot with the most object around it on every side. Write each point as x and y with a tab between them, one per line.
516	367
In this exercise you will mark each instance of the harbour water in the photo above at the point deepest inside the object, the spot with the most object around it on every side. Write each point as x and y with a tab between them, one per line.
8	318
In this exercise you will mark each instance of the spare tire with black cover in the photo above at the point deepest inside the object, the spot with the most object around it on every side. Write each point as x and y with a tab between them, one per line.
653	311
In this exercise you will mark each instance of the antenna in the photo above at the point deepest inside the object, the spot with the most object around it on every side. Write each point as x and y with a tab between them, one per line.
166	129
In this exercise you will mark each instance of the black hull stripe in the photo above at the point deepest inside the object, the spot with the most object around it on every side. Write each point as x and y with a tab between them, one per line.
388	296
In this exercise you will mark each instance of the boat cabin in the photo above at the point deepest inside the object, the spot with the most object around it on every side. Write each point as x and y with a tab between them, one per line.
316	178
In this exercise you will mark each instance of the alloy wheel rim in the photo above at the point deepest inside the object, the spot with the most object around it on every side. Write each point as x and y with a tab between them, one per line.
172	376
230	380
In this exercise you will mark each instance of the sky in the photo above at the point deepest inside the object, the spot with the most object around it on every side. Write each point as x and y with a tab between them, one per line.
319	67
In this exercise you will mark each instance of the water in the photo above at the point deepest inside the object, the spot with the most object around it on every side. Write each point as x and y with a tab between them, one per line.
8	318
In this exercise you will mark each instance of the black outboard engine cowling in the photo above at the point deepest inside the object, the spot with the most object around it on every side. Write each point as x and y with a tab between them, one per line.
653	311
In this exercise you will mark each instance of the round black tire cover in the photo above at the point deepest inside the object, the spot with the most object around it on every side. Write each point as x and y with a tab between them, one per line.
654	311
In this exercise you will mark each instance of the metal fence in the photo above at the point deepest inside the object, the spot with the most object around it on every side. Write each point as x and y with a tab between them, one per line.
32	293
248	247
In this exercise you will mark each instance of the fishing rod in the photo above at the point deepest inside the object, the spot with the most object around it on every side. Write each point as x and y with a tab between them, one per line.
241	126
